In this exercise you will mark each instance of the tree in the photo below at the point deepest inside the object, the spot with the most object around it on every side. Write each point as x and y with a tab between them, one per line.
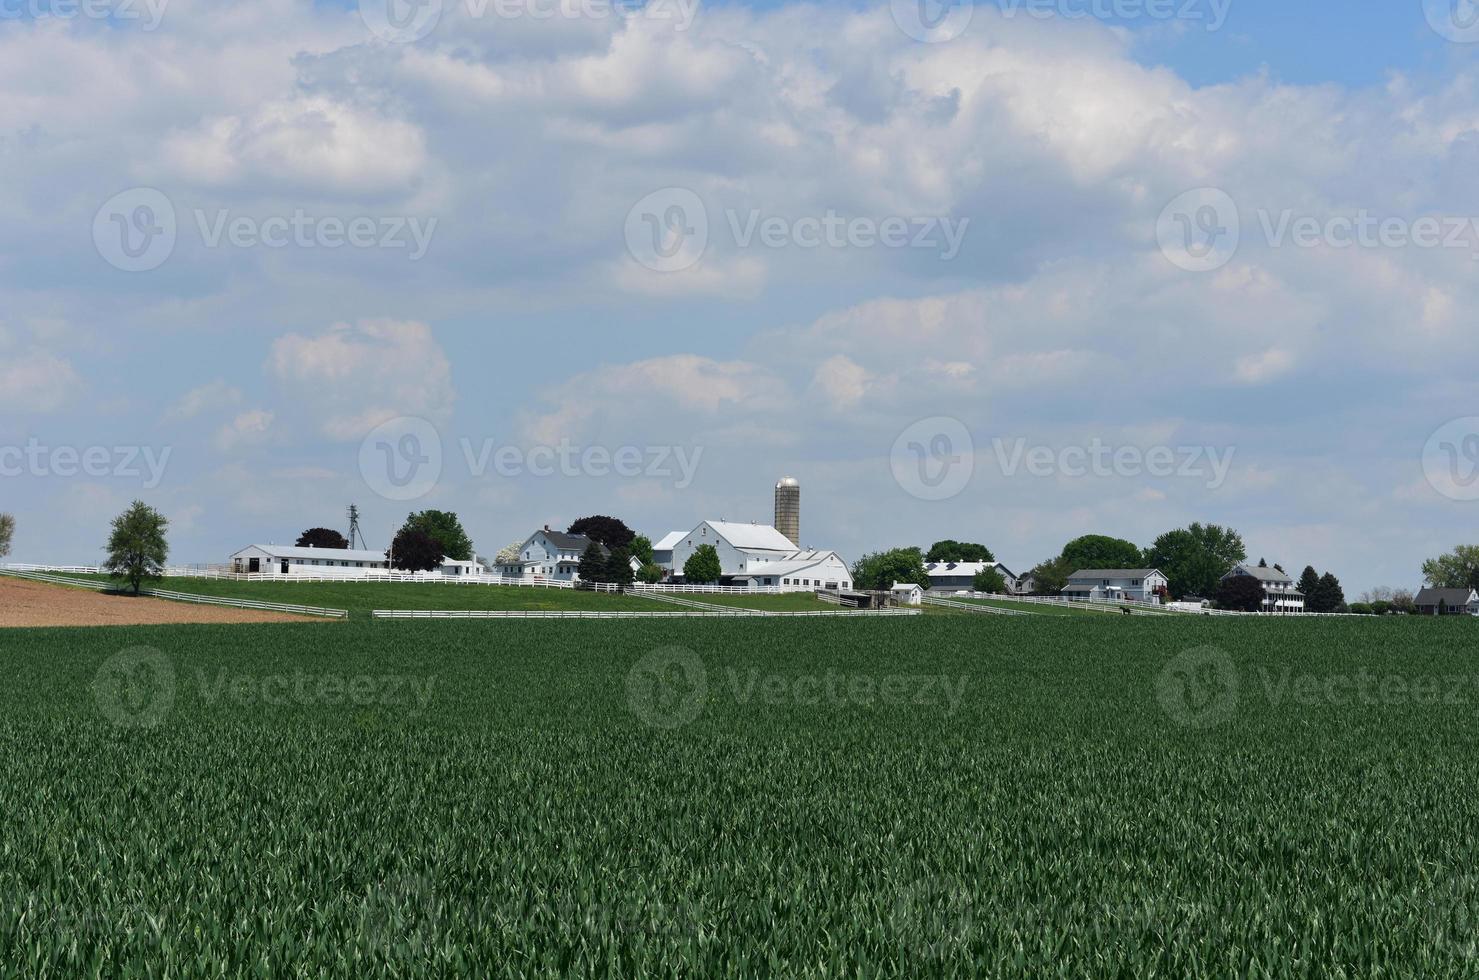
592	566
137	549
641	549
322	537
1196	557
1380	607
881	570
1051	577
1309	584
1327	597
605	530
1456	570
990	580
948	550
1404	603
1099	551
508	554
650	573
443	527
1361	608
702	567
619	567
7	531
1262	563
1241	592
413	550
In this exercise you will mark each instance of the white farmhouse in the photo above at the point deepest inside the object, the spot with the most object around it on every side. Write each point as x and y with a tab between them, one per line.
1280	595
548	555
960	576
1114	584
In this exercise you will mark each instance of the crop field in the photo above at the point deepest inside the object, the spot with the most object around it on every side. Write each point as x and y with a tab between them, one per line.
937	796
783	602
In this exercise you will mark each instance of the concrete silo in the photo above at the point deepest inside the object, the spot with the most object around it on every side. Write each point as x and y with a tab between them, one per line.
788	509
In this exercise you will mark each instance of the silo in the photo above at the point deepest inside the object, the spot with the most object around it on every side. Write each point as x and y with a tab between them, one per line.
788	509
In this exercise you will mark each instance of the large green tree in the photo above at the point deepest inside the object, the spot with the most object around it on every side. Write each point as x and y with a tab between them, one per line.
1101	551
137	549
990	580
7	531
702	567
1328	596
949	550
1459	569
413	550
443	527
881	570
1195	558
619	567
609	531
1309	584
1051	577
322	537
641	549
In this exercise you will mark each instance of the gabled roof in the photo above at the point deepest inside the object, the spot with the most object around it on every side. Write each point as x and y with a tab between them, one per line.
1115	573
954	569
794	564
569	542
757	537
321	554
1451	597
670	541
1262	574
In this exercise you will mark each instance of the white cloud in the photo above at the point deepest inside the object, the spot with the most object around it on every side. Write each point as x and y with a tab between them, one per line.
248	428
36	380
353	377
215	396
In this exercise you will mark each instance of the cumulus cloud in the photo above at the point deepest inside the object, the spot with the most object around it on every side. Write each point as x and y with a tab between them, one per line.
352	377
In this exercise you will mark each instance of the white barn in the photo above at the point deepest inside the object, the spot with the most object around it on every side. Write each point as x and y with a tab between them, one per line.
758	555
277	559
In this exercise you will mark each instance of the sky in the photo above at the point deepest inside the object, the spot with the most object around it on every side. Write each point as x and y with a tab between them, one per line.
1009	272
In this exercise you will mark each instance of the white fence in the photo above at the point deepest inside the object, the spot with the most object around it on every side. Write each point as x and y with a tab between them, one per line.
204	600
641	614
974	607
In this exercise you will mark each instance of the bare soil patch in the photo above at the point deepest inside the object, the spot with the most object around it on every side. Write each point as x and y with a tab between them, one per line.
26	603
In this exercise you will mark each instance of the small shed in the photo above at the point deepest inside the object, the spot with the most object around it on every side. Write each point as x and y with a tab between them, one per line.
907	594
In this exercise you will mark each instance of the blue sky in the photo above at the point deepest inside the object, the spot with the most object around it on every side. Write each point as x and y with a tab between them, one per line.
991	234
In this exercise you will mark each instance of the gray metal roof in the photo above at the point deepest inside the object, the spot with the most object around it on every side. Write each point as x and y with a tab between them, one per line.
1451	597
1263	574
1115	573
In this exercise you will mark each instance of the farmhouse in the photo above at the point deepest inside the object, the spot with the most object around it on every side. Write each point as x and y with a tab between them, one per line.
960	576
1279	592
1447	602
1113	584
548	555
276	559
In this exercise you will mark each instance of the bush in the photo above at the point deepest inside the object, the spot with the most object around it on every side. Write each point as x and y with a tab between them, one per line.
1380	607
1361	609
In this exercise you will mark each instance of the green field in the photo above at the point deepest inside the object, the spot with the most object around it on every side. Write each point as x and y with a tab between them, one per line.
362	597
953	795
783	602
